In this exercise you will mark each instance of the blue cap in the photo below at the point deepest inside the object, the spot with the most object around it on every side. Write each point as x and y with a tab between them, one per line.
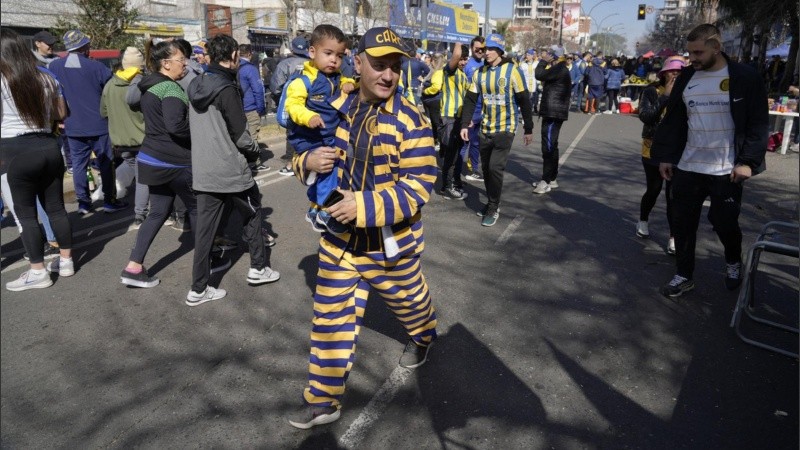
531	51
300	46
495	40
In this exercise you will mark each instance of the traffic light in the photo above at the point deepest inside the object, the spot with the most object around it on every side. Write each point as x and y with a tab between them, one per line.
642	12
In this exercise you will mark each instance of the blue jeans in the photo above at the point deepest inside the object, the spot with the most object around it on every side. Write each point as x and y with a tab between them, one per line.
81	152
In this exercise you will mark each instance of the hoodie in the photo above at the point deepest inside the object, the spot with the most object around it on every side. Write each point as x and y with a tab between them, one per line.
221	144
43	61
125	126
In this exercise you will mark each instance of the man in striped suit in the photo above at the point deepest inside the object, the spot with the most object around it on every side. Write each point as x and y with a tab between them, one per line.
501	86
385	147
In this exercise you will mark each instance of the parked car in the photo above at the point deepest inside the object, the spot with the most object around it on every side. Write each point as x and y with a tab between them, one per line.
107	57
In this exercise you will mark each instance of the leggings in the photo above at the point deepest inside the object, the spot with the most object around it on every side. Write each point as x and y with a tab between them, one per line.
35	170
613	101
161	198
654	183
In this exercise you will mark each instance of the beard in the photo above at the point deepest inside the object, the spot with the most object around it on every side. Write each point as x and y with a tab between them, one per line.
708	64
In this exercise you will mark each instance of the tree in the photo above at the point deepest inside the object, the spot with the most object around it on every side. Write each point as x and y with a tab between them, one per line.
104	20
609	43
503	30
672	33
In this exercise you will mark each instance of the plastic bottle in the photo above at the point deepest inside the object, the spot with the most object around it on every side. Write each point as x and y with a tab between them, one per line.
90	178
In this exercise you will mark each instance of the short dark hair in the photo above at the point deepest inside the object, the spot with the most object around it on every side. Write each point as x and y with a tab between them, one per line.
477	39
704	32
322	32
221	48
245	49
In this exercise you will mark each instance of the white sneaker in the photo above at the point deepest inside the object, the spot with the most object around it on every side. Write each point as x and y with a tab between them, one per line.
198	298
542	188
265	275
671	246
553	184
642	230
64	267
608	112
32	279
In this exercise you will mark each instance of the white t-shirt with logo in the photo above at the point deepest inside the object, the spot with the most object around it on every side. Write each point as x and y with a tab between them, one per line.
709	148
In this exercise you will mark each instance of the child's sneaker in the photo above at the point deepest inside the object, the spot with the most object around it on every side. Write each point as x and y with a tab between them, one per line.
334	226
311	217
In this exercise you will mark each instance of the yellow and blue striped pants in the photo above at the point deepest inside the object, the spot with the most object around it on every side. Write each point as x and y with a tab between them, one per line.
343	286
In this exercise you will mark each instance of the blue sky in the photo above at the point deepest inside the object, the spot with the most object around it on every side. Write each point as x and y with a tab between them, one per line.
625	9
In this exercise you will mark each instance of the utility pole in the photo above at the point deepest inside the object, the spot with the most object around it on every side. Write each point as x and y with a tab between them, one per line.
356	4
424	34
561	25
487	28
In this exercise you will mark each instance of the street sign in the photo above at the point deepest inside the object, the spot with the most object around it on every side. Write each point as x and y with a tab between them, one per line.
650	9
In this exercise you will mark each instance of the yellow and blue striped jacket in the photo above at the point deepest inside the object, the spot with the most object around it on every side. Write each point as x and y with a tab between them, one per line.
405	171
453	86
496	87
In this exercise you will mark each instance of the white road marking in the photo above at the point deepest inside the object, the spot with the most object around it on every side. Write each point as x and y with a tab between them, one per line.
575	141
510	229
372	412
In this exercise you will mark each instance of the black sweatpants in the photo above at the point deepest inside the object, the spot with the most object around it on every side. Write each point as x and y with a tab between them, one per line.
689	190
551	128
494	149
450	145
35	169
209	213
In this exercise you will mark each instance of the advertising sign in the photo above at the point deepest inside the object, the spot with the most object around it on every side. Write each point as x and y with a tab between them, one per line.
445	23
572	14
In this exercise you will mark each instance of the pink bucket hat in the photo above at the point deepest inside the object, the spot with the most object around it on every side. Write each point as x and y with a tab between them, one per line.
673	63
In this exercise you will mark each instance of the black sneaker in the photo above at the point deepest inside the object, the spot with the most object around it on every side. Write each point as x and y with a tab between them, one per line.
114	206
309	416
285	171
483	211
181	224
84	208
137	223
219	263
260	167
453	194
269	240
733	275
140	279
414	355
677	287
224	243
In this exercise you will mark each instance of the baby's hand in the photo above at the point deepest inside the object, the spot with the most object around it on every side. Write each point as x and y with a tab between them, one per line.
348	88
316	122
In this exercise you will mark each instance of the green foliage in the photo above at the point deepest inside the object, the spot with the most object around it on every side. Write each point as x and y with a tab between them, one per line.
103	20
609	43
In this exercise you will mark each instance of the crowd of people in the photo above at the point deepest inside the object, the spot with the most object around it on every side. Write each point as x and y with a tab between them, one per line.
186	119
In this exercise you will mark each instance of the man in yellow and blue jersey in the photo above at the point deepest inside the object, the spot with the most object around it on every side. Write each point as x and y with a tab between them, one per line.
451	82
384	147
501	87
474	63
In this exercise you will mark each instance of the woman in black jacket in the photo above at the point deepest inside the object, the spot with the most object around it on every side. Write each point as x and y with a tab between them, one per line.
652	106
552	71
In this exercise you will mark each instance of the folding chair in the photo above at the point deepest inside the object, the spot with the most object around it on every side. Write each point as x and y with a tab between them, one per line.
747	302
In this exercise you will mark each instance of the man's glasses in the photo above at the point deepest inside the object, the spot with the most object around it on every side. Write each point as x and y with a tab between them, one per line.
479	50
180	61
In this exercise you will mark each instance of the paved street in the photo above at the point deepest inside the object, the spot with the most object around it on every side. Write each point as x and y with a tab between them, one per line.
552	332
